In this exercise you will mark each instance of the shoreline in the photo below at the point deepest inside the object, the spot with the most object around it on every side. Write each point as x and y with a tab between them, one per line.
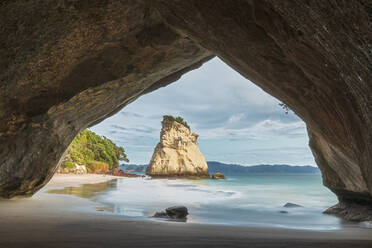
54	220
74	180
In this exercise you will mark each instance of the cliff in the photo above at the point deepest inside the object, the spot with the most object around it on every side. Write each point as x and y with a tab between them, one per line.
177	153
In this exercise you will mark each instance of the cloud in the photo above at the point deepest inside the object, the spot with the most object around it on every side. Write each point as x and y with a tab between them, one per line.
125	113
225	109
235	118
132	130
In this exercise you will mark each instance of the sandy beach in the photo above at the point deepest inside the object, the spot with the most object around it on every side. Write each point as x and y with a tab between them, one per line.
51	220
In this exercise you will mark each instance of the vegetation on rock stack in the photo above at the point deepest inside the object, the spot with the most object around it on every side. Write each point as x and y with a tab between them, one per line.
98	153
178	119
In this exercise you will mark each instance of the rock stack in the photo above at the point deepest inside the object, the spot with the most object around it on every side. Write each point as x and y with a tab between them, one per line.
177	154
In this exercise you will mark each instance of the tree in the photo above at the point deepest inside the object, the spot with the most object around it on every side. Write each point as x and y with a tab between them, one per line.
178	119
91	149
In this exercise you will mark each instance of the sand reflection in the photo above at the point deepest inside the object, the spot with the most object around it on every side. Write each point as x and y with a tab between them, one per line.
86	190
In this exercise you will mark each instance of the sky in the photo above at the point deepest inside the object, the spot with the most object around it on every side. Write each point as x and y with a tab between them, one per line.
237	122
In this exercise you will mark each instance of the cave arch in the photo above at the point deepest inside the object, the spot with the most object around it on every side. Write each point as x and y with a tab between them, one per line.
68	65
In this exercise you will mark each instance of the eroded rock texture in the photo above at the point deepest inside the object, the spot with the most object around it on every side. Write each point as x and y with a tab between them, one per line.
66	65
316	56
177	153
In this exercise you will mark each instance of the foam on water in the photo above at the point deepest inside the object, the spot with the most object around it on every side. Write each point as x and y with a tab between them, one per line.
254	200
161	193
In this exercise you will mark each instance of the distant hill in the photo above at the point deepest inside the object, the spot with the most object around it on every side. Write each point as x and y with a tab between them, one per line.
134	167
260	169
227	169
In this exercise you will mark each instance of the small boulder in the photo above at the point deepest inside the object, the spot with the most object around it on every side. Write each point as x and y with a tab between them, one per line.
176	213
292	205
218	175
283	212
160	215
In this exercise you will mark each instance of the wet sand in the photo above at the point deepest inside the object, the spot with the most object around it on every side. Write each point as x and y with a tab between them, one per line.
51	220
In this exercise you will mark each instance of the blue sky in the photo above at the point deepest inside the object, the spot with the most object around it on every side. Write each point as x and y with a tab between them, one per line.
237	122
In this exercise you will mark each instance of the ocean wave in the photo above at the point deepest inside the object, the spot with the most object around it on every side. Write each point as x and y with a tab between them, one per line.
240	203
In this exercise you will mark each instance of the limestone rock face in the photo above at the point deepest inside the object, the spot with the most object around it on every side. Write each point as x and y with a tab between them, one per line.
316	57
66	65
177	153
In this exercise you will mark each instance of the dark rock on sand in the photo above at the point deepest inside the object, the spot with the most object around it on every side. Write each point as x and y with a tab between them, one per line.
218	175
283	212
292	205
351	211
162	214
176	212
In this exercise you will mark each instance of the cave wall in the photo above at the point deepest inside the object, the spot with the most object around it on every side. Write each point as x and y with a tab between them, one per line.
313	55
70	64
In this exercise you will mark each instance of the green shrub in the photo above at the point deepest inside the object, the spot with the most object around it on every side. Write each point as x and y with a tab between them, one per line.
97	166
178	119
88	146
68	164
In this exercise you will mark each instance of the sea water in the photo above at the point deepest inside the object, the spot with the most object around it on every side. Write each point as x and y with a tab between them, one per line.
243	200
